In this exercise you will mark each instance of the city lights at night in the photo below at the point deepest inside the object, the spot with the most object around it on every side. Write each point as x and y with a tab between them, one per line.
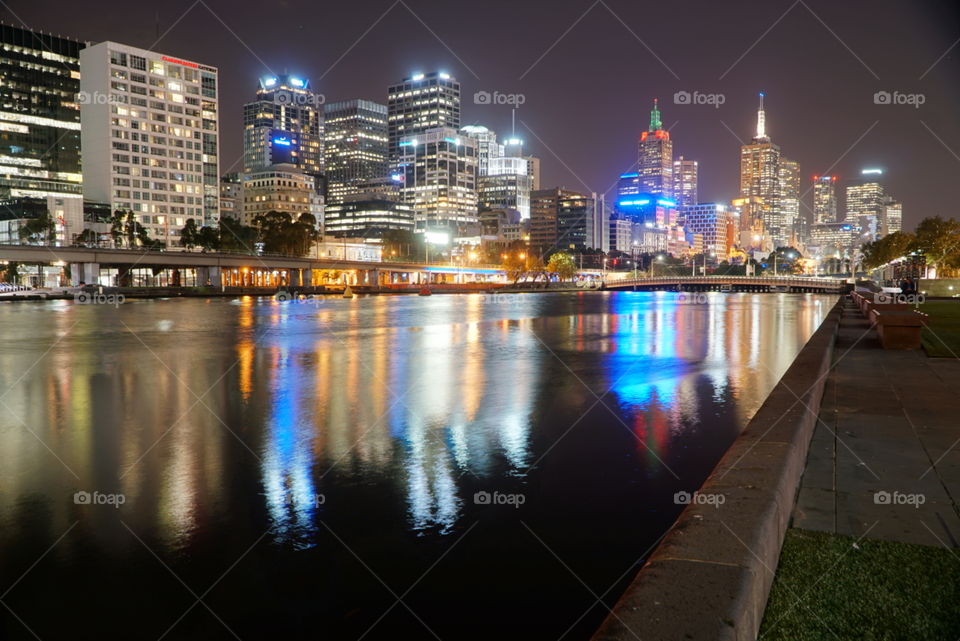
425	320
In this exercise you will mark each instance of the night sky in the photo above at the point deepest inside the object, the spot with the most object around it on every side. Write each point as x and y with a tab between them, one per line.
586	100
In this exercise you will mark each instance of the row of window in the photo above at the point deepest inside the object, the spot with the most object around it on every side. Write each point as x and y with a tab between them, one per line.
125	111
177	188
155	162
208	80
156	151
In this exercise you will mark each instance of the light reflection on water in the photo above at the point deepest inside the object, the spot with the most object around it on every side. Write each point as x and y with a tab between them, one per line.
381	415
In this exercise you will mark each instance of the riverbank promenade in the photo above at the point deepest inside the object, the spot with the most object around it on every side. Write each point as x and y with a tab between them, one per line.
884	460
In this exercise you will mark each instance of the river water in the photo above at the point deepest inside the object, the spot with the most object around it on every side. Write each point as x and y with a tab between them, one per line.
452	467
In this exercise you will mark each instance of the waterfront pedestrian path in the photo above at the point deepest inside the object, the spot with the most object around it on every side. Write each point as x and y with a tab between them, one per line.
884	461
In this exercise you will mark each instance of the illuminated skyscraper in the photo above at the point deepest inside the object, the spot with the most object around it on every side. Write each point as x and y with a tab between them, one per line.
685	182
788	199
418	103
655	158
438	171
865	198
507	185
892	220
39	132
760	182
824	199
284	125
628	186
503	173
355	147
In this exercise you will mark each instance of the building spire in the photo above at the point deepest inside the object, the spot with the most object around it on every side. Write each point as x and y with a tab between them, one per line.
761	121
655	123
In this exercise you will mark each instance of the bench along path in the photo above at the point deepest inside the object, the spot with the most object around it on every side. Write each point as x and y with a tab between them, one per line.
885	457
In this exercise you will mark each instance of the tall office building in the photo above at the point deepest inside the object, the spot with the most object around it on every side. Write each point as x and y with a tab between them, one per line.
150	137
575	222
824	199
438	170
355	147
562	219
788	200
655	158
865	204
487	146
504	182
39	132
628	187
533	170
685	181
283	125
422	102
760	182
506	186
892	220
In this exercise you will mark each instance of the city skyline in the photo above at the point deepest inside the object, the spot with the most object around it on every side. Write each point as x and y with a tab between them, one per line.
840	136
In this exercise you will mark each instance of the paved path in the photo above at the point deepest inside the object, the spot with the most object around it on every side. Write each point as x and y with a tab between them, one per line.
888	439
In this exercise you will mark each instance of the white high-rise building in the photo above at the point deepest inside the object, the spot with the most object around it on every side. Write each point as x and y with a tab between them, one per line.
487	146
507	185
438	170
149	134
503	174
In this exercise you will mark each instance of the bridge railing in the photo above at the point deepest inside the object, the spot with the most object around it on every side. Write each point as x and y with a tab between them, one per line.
771	280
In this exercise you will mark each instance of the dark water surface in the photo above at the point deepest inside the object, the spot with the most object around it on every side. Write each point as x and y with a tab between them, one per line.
311	470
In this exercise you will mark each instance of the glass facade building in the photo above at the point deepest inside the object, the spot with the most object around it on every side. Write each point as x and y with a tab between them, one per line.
355	147
419	103
438	174
824	199
40	131
367	217
685	181
284	125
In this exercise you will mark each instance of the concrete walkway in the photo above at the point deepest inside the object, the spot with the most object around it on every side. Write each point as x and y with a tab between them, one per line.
885	456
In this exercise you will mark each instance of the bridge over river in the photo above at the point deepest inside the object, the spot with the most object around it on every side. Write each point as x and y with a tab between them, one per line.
730	283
